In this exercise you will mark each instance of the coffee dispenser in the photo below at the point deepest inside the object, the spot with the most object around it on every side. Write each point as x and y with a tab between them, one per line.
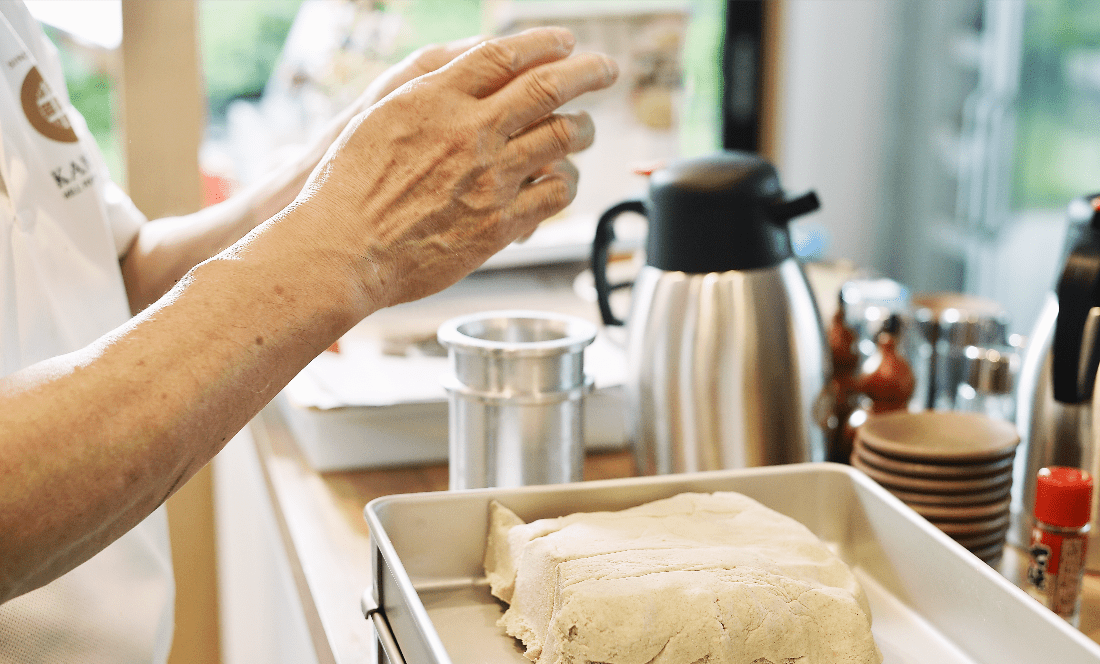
726	355
1058	405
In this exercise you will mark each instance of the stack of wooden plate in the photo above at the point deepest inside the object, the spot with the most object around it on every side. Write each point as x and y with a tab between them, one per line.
954	469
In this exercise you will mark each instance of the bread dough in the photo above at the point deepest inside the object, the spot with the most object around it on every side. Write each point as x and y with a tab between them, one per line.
710	578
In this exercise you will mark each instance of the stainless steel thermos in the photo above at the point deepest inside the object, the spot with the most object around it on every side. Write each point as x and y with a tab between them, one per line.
726	354
1058	405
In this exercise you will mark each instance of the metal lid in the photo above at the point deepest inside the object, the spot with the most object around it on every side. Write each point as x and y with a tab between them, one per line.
513	353
517	332
961	319
720	212
990	370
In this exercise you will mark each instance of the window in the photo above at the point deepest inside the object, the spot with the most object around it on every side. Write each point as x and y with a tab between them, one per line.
945	138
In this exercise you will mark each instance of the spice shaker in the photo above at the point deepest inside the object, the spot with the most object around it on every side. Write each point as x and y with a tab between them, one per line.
1059	539
988	381
948	323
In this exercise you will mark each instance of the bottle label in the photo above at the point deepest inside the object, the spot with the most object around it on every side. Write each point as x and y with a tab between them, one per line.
1056	568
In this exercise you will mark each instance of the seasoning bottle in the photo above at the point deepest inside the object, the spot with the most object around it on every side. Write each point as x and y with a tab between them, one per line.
886	388
1059	540
891	384
840	396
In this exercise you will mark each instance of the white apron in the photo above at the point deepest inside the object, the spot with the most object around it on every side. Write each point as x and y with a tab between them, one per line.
63	225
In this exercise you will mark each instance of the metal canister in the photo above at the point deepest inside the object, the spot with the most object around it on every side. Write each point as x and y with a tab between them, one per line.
948	324
989	381
516	397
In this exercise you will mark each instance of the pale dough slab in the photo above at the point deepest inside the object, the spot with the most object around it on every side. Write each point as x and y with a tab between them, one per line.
697	577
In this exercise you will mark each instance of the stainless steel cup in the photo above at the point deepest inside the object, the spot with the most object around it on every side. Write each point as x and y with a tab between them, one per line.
516	394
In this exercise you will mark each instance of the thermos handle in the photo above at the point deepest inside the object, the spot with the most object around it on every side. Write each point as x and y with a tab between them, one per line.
601	249
601	246
1078	292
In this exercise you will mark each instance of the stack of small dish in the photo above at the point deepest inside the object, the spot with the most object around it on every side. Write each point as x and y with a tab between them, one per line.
953	468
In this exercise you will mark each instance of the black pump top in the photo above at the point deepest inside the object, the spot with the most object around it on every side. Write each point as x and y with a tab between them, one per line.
1073	367
721	212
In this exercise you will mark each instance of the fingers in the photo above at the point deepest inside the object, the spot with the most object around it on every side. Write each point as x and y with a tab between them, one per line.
552	139
494	63
423	61
552	189
542	90
431	58
546	206
527	76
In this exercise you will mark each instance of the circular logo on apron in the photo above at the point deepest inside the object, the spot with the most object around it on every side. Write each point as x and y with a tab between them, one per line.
43	110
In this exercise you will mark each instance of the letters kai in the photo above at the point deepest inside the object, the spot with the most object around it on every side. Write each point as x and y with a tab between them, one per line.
74	177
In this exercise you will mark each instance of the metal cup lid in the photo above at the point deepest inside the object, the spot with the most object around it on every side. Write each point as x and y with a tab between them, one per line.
990	370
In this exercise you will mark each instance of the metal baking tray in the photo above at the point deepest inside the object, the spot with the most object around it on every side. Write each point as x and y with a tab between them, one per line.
931	599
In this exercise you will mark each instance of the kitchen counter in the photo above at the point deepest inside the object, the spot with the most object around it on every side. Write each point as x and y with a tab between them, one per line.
319	518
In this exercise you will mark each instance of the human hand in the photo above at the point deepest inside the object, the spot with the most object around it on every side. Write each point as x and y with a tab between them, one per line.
422	61
452	167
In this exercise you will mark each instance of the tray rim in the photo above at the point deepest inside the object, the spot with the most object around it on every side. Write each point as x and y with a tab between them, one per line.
404	583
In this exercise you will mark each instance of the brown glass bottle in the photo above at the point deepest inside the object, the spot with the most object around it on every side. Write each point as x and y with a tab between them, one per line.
887	388
891	384
841	396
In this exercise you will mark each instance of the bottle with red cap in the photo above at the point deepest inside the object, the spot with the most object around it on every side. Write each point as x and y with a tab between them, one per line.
1059	539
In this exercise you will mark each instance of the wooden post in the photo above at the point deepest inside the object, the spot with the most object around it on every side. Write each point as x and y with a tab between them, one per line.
771	101
162	125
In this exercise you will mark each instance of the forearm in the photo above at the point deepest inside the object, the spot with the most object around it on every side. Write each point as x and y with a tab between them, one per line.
165	249
92	442
412	196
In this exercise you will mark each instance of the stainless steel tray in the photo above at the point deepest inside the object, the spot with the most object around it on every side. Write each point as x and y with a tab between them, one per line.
931	599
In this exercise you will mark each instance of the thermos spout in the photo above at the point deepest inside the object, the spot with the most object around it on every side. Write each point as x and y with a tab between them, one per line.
786	210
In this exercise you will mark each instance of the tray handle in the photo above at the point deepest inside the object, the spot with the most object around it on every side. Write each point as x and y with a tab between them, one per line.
386	642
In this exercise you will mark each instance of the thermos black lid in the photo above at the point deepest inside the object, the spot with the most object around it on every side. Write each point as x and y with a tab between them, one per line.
1073	365
721	212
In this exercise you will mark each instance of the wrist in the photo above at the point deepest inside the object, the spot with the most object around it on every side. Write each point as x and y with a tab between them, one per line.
329	277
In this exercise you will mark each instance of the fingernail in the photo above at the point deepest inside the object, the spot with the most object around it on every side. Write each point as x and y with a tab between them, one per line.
612	67
568	41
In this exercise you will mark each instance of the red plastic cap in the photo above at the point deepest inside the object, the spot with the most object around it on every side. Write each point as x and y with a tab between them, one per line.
1063	497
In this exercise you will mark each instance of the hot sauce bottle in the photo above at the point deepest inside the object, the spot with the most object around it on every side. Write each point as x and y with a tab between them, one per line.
1059	540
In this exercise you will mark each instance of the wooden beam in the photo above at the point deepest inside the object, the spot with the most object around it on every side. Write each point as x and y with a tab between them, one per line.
771	101
162	125
163	105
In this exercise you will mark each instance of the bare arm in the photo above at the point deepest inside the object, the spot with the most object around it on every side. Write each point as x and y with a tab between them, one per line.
415	193
165	249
